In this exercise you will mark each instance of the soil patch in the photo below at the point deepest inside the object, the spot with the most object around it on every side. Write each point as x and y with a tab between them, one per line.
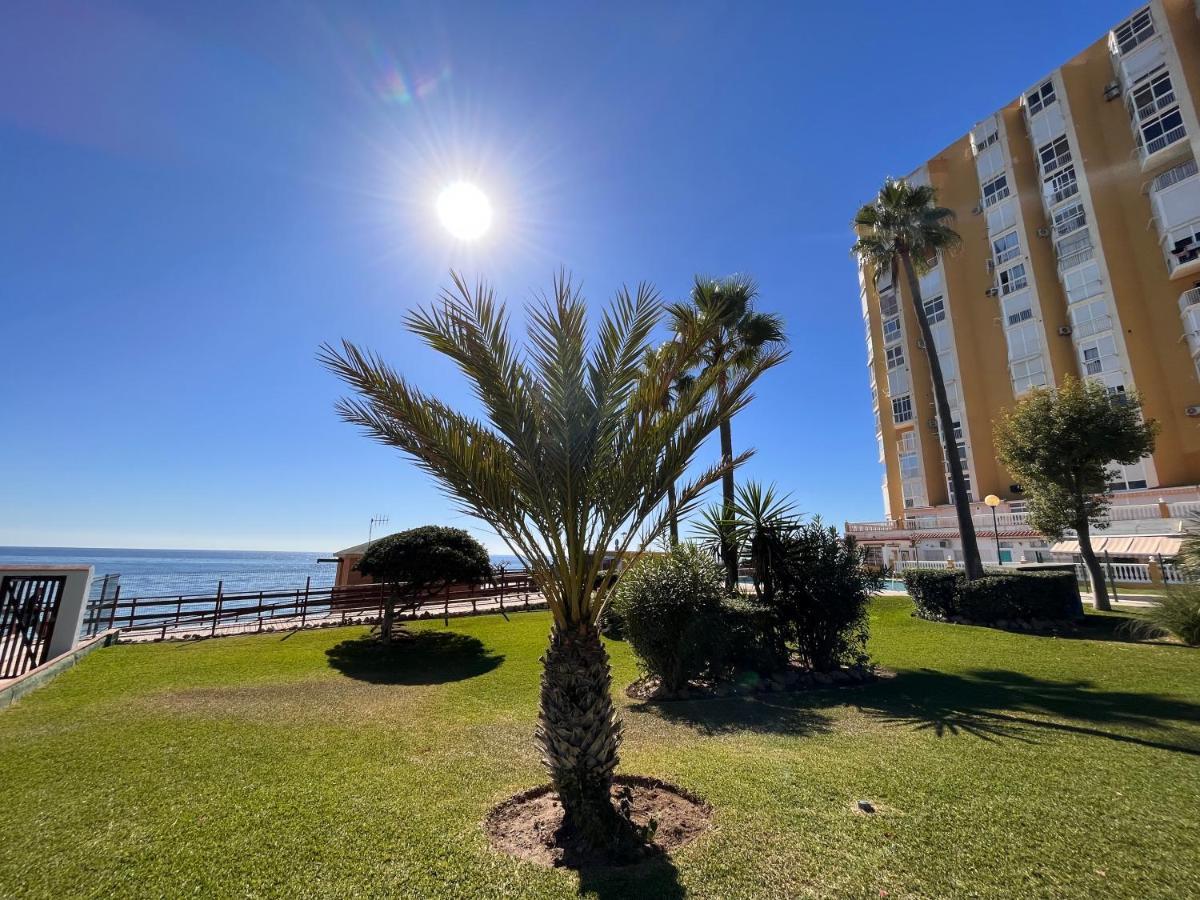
527	826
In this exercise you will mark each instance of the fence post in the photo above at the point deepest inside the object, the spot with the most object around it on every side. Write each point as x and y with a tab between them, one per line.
112	612
217	608
260	606
132	610
304	608
1112	579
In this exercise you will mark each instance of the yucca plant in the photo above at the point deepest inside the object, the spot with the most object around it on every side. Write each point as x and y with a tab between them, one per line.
1176	613
761	523
573	455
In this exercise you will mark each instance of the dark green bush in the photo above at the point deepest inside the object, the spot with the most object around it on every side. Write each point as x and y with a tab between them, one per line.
748	639
822	590
999	595
671	609
932	590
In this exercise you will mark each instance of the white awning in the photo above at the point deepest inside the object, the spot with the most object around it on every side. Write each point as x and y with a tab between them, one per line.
1131	545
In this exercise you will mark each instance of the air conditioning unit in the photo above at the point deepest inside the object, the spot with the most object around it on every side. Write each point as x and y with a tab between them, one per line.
932	423
1193	411
976	210
1112	90
920	343
991	265
1064	330
1043	232
992	292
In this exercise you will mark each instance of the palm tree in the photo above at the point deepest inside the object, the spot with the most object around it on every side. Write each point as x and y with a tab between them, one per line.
573	454
739	336
762	524
653	363
904	228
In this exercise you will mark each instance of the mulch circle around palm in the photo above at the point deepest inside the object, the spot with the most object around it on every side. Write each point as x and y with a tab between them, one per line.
527	825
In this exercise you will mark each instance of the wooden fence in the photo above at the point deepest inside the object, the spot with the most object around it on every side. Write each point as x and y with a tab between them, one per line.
195	615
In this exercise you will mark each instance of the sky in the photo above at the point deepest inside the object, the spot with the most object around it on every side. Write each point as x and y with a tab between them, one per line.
194	196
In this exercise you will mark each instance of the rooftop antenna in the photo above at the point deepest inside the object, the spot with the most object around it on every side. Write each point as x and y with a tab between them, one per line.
375	520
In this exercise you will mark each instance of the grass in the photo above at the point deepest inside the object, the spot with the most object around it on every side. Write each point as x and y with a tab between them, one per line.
304	765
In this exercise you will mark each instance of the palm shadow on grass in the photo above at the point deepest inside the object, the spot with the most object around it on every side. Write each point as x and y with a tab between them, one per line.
994	704
655	878
988	704
421	657
785	713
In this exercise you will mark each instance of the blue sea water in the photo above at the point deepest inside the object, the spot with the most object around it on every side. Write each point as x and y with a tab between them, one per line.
152	573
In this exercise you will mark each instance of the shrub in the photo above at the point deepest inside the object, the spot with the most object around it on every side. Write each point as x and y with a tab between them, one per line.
1000	594
932	590
821	599
671	609
749	643
1178	613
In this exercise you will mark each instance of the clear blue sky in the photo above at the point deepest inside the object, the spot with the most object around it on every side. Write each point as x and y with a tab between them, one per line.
194	196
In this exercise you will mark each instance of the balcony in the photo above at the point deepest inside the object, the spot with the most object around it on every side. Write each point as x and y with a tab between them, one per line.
943	520
1189	312
1181	249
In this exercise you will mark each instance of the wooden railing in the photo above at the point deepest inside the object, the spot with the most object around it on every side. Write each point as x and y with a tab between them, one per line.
217	613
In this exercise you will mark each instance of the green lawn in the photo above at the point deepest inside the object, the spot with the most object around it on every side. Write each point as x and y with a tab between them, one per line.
1001	764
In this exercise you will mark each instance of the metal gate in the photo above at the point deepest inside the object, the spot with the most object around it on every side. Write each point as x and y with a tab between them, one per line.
28	608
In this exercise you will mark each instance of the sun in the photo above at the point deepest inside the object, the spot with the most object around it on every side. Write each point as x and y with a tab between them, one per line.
464	210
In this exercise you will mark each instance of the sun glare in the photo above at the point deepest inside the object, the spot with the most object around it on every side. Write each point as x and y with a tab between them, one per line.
464	210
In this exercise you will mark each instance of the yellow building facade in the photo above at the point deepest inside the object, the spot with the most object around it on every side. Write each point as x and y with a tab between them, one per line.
1078	204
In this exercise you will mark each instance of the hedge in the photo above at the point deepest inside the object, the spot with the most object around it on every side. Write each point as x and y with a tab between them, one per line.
999	595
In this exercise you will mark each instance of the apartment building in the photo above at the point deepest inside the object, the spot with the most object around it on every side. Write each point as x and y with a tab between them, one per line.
1079	208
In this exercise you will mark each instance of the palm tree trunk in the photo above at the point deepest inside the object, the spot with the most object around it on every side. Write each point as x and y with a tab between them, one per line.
729	555
579	735
1095	570
672	514
962	503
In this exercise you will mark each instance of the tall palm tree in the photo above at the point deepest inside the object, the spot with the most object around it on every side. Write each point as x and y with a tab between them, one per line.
904	229
654	362
739	336
563	463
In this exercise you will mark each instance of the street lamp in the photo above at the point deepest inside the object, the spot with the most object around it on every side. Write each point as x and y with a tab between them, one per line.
993	501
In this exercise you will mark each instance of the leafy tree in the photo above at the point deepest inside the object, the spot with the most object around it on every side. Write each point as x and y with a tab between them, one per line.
565	462
1060	445
421	560
904	229
738	338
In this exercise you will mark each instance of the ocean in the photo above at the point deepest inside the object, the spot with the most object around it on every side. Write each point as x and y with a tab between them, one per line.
159	573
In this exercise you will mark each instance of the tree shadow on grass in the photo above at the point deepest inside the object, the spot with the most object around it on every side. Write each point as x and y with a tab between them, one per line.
783	713
655	878
422	657
993	704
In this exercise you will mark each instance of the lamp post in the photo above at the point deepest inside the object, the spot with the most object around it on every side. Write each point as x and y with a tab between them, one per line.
993	501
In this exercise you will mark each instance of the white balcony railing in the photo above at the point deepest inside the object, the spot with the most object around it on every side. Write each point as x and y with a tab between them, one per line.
1181	244
1016	520
1075	258
1189	298
1162	142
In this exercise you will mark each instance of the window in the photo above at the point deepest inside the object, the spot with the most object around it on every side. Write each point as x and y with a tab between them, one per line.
1001	217
1064	184
984	142
1074	250
1013	279
1117	395
1174	175
887	304
1135	30
1028	373
895	357
1155	113
1069	218
1099	356
1023	341
1055	155
1039	98
995	190
1021	315
1088	319
935	310
1082	283
902	409
891	330
910	464
1006	247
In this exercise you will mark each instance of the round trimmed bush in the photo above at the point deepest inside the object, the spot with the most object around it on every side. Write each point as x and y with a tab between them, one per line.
670	608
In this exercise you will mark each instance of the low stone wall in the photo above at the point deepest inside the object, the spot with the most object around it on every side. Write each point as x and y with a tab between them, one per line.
13	690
